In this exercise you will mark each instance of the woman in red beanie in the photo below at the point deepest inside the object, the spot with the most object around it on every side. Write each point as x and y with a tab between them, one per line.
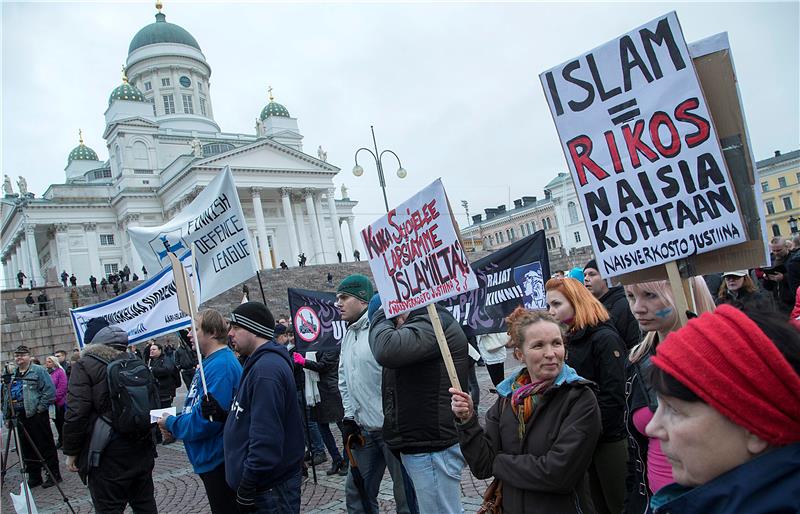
597	353
728	418
653	306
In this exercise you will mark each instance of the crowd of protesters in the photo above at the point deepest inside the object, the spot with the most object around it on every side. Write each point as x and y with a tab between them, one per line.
620	405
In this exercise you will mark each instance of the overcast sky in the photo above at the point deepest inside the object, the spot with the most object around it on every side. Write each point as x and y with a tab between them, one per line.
453	88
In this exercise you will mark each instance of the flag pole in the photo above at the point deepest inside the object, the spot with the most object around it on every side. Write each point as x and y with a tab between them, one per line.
261	286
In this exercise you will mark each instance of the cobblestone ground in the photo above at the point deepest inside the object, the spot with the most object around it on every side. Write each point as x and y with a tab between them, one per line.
180	490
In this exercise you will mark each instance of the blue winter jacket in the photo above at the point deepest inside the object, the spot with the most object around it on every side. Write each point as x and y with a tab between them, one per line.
769	484
202	438
264	433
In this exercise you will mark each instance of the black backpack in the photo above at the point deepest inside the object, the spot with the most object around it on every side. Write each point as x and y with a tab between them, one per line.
133	392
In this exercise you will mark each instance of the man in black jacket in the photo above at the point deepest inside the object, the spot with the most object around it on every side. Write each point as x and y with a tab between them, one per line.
418	422
613	299
124	474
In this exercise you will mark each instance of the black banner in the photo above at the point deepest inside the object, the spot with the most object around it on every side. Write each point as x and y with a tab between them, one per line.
317	324
508	278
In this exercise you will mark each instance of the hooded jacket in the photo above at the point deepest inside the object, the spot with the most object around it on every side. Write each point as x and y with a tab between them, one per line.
546	471
360	377
416	401
263	435
621	316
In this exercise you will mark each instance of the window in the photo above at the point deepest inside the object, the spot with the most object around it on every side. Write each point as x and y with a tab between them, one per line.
764	187
770	208
573	212
203	107
152	101
781	181
142	172
787	203
188	108
111	268
553	243
148	86
165	82
798	177
776	230
199	86
577	237
548	244
102	174
533	226
106	239
185	81
169	104
522	230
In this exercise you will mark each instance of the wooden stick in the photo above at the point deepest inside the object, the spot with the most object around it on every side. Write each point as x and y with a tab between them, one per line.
677	291
448	359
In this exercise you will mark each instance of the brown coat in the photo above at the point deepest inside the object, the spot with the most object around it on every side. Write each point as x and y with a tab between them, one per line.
546	472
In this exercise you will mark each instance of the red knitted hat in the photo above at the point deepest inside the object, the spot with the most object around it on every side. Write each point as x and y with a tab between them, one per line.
725	359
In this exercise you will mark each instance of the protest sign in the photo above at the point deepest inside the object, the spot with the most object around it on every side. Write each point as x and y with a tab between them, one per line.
415	253
145	312
214	222
511	277
318	325
642	150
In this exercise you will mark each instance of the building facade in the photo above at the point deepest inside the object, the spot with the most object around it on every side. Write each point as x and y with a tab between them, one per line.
164	147
780	191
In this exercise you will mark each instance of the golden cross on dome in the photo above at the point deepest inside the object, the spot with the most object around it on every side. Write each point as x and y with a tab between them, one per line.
124	75
269	90
80	136
159	5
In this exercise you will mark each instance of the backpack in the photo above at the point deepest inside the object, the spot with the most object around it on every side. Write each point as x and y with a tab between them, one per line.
133	392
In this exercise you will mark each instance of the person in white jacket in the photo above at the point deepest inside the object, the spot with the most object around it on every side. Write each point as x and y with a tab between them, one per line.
360	387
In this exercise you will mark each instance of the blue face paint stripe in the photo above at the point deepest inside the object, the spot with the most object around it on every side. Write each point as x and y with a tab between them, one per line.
663	313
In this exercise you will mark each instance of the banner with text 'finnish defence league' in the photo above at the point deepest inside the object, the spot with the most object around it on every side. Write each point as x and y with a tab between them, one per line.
642	149
214	222
415	253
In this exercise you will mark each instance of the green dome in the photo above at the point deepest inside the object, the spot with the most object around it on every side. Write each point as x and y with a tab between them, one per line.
274	109
162	32
82	153
126	91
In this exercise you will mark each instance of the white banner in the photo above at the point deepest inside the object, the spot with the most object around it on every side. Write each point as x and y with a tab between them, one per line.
145	312
415	254
214	222
643	151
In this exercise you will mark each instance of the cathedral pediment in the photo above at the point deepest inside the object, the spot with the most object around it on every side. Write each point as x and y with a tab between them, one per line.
267	155
132	121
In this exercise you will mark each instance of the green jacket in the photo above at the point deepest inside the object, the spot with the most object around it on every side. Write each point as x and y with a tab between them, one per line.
38	392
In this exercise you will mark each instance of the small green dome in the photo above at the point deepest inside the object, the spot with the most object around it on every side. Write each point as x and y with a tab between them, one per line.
126	91
162	32
82	153
274	109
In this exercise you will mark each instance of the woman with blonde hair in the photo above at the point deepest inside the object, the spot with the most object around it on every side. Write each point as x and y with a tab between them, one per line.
597	353
541	433
653	305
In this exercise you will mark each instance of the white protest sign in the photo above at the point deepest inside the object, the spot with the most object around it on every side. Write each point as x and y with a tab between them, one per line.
145	312
214	222
642	149
415	254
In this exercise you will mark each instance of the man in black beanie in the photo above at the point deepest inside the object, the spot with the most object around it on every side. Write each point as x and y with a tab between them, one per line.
263	437
613	299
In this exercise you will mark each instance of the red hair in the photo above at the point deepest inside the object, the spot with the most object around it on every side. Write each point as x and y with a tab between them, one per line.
588	309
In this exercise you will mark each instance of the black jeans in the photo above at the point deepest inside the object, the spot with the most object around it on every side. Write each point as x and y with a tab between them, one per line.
38	428
221	498
125	476
60	420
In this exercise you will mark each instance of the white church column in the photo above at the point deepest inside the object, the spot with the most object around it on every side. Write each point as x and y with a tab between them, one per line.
62	248
337	229
302	235
319	256
14	262
351	225
92	242
286	201
266	262
22	262
327	254
24	258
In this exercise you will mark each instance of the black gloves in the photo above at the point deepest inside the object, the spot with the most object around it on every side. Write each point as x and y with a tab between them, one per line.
350	427
210	408
246	499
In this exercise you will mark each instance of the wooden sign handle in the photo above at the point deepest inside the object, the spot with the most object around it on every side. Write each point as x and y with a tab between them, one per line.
448	359
676	285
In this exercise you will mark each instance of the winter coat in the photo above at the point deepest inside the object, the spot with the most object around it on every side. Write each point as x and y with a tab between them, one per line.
597	354
793	272
546	472
780	291
167	374
618	308
360	376
768	484
329	409
416	403
185	357
38	392
59	378
757	299
263	435
638	394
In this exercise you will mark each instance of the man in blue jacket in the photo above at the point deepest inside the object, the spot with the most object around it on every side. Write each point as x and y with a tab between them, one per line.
203	438
263	437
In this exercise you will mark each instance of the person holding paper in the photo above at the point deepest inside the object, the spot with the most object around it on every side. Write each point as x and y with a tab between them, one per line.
201	437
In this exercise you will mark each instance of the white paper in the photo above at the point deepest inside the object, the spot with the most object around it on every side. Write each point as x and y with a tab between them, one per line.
157	414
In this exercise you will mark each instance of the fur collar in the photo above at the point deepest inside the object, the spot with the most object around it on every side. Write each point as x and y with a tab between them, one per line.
103	351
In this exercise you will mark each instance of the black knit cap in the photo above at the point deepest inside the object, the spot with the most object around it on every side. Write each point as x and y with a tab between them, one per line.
254	317
94	326
591	264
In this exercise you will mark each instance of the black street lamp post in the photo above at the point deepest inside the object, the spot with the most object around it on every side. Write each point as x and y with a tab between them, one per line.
378	156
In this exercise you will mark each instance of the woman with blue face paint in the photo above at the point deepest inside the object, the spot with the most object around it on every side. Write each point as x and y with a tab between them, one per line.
653	306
